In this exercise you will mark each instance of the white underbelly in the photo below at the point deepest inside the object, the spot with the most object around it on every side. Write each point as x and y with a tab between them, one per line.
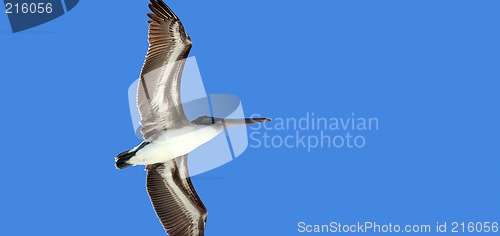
174	143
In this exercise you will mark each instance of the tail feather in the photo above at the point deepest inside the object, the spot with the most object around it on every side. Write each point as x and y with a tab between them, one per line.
121	160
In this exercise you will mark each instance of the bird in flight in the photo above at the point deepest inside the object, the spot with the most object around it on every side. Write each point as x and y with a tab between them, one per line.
168	136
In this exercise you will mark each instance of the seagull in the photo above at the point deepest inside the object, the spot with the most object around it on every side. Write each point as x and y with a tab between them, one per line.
168	136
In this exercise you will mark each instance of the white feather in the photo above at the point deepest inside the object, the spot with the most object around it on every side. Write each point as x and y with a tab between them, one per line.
173	143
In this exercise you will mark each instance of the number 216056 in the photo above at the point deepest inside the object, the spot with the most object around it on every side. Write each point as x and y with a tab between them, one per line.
28	8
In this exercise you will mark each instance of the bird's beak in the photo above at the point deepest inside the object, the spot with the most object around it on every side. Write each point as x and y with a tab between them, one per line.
241	121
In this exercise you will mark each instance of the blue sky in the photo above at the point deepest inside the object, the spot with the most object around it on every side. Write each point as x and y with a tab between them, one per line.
427	70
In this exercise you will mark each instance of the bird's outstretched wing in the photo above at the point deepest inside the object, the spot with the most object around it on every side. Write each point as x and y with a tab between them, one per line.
174	199
158	94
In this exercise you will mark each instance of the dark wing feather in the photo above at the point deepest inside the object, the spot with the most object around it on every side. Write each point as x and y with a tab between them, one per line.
174	199
158	94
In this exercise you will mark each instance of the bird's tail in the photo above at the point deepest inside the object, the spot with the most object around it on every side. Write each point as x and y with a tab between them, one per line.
121	160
